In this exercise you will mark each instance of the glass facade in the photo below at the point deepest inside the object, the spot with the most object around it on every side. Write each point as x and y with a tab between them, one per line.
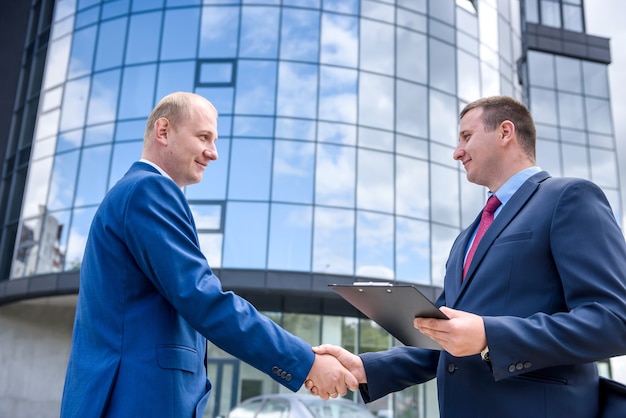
338	120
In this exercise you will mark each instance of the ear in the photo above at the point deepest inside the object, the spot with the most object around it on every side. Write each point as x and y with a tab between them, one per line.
161	129
507	131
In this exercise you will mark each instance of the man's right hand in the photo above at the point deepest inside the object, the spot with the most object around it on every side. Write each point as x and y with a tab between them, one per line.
350	361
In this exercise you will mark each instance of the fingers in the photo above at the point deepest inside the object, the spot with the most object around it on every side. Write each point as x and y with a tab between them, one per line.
328	378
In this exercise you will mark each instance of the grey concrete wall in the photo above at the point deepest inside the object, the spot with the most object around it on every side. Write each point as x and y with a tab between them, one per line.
35	339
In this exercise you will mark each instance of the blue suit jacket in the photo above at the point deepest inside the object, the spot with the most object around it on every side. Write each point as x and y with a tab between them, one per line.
147	301
549	280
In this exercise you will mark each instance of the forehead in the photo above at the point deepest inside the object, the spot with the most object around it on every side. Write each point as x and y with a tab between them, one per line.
472	120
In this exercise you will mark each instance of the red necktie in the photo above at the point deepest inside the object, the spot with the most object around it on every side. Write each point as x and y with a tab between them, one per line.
485	220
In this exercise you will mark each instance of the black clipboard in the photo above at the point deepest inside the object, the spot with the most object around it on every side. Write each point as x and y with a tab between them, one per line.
393	308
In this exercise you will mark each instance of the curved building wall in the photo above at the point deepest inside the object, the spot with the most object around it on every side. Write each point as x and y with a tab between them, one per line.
337	126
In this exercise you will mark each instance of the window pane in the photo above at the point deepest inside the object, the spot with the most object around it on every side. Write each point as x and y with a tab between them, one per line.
293	171
77	237
290	238
137	92
468	74
443	120
569	73
92	178
297	90
374	250
375	181
411	56
577	161
256	87
333	245
334	175
103	97
603	167
124	155
74	104
180	33
219	43
572	18
596	79
444	211
339	40
250	169
376	107
377	47
412	188
598	115
571	111
300	35
338	94
207	216
111	38
543	105
63	181
550	13
245	235
412	251
211	247
175	76
541	66
412	113
82	52
142	44
259	37
549	157
442	66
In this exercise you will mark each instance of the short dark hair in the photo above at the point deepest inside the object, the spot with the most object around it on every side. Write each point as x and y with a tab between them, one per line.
497	109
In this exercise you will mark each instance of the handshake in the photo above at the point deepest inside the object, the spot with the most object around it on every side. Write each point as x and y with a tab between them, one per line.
334	371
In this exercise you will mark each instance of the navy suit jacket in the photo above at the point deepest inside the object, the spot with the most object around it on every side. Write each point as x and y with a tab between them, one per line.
548	278
147	302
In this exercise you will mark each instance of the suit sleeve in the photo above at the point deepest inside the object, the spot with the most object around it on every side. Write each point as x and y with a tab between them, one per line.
589	253
161	235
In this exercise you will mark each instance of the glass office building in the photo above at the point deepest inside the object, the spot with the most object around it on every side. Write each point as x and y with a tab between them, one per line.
338	120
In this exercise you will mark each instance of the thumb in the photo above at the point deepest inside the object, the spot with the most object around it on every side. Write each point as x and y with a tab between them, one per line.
449	312
327	349
351	382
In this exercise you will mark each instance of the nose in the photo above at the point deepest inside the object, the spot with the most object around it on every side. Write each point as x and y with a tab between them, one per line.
210	152
458	153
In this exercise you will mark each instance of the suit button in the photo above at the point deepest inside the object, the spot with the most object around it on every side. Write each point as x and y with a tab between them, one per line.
283	374
275	369
519	366
452	368
528	365
511	368
288	377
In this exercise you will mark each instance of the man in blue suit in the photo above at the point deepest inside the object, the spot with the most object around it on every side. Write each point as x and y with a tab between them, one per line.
543	298
148	299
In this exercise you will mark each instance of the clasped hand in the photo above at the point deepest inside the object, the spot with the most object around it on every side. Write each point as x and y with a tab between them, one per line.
328	378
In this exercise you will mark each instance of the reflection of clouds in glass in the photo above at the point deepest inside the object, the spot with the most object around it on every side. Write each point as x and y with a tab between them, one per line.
334	175
297	90
207	216
104	97
37	187
412	187
57	62
300	35
75	249
336	133
442	239
377	47
47	125
378	271
375	247
488	26
211	247
338	98
75	104
375	189
333	241
258	31
412	250
64	8
339	40
376	102
288	159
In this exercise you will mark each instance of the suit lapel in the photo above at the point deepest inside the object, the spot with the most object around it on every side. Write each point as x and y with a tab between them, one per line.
508	212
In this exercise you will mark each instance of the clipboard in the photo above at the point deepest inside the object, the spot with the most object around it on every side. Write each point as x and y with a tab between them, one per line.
393	308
